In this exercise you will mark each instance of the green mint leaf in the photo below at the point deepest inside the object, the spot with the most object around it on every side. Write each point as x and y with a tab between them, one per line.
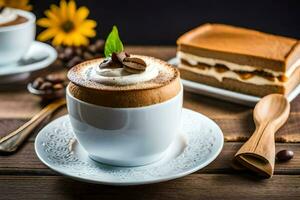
113	43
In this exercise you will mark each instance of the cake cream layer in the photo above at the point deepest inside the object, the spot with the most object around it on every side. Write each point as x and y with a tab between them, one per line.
243	87
229	74
241	46
194	60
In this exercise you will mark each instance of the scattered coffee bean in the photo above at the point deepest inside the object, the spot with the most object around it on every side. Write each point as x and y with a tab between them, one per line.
92	48
55	78
51	81
58	86
87	56
284	155
68	53
99	45
59	49
46	86
37	82
74	61
98	55
61	56
79	51
49	87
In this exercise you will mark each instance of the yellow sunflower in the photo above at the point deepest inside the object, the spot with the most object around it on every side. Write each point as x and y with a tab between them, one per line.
67	25
20	4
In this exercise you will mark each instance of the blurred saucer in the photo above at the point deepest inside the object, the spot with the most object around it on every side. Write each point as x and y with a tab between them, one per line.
39	56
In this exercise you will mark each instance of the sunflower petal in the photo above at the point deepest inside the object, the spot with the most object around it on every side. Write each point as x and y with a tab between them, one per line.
89	24
80	40
47	34
68	40
82	13
63	10
58	39
83	40
88	32
44	22
71	9
52	16
55	10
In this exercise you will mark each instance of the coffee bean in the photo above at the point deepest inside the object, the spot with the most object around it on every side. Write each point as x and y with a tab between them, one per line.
109	63
87	55
92	48
58	86
114	57
133	71
68	52
284	155
99	45
55	78
121	56
134	63
79	51
59	49
61	56
98	55
46	86
58	63
74	61
37	82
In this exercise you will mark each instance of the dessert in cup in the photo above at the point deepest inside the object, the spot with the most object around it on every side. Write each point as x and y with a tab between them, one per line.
125	109
17	32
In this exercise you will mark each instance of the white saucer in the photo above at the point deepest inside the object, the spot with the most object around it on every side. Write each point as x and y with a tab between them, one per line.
199	144
39	56
223	94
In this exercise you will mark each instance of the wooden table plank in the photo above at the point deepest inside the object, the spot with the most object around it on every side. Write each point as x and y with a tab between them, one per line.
195	186
26	162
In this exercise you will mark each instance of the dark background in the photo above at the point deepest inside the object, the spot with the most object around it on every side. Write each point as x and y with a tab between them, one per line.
158	22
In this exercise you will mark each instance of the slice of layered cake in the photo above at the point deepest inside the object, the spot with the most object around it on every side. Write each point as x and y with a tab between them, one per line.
239	59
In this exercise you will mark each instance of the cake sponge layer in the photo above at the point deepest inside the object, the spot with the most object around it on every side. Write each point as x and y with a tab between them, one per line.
241	46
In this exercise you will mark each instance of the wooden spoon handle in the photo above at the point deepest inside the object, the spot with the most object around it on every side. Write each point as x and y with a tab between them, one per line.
258	153
12	141
261	142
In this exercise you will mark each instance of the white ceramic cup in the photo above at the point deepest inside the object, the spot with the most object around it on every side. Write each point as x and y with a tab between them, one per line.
125	136
15	40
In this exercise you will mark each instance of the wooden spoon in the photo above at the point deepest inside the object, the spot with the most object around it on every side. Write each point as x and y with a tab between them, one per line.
12	141
258	153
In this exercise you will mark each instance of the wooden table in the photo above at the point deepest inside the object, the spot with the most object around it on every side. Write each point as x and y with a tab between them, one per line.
23	176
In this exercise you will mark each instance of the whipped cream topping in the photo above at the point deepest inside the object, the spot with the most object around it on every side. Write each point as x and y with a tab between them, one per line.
7	15
193	60
119	76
